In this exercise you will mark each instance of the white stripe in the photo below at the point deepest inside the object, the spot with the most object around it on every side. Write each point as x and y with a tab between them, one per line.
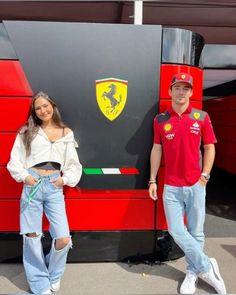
111	170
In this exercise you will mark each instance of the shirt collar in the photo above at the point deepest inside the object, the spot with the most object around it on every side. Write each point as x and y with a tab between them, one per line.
188	110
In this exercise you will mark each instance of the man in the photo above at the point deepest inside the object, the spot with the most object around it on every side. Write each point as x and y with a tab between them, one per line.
179	132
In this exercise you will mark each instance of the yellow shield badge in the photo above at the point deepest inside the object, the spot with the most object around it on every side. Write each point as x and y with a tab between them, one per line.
111	96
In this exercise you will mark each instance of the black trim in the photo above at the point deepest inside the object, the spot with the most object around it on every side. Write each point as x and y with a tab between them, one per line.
218	56
98	246
181	46
163	117
222	90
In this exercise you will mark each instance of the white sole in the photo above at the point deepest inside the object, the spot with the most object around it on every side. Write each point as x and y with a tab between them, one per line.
217	273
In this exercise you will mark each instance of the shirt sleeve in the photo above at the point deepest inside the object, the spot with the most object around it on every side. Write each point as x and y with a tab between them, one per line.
72	169
16	165
156	131
208	135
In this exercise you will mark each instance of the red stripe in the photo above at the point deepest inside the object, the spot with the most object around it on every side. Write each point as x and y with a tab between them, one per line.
129	170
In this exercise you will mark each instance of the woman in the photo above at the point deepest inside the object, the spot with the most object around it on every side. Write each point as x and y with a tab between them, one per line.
44	158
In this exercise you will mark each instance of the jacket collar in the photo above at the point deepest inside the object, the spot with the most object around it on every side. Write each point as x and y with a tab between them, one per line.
69	137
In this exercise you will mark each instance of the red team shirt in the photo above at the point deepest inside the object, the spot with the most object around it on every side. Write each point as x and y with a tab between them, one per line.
181	138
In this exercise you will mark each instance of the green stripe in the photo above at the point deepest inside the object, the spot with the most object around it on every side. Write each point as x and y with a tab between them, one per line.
92	170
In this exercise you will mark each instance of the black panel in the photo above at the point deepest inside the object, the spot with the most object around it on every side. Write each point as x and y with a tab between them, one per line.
65	59
95	246
181	46
221	90
219	56
6	49
110	245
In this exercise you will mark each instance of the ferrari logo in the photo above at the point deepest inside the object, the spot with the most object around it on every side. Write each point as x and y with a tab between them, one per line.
167	127
111	96
196	115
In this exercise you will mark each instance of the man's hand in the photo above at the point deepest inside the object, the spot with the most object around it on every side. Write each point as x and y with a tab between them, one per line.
202	181
153	191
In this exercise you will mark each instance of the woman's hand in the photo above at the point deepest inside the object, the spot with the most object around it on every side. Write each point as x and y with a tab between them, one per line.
30	180
57	181
153	191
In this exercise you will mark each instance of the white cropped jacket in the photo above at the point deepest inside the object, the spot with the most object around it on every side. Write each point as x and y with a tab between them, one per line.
61	151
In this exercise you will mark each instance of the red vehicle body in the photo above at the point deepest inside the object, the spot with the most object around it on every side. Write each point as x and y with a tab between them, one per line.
109	219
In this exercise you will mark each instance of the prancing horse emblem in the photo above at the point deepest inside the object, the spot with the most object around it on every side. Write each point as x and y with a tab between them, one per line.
111	96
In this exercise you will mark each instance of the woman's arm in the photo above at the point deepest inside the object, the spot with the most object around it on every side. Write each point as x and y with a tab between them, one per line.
72	169
16	165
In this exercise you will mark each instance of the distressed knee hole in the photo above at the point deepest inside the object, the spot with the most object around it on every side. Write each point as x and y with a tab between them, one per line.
61	243
31	235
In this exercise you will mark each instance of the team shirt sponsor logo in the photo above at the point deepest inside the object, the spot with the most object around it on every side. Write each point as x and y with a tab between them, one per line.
195	128
196	115
170	136
167	127
195	125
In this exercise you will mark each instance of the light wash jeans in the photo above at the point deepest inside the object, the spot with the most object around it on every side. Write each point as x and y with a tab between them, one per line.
189	200
41	271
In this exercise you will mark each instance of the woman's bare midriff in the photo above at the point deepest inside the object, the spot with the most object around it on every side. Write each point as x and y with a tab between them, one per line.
44	172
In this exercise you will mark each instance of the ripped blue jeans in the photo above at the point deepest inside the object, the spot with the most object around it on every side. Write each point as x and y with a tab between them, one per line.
190	237
42	271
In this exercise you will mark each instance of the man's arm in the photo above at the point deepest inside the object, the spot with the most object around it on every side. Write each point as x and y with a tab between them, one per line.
155	161
208	160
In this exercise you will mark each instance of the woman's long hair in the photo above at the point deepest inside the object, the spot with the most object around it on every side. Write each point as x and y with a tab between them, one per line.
33	123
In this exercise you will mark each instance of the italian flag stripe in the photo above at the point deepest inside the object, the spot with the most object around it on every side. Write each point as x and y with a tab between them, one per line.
129	170
110	171
92	170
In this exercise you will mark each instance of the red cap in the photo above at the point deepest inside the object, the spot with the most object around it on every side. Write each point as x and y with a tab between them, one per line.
182	77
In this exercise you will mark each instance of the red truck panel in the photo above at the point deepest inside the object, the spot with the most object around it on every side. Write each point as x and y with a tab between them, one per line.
9	188
160	215
9	215
113	214
13	79
13	112
86	214
6	142
223	115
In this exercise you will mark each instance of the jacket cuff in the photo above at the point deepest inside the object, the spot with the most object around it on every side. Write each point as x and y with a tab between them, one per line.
65	180
24	176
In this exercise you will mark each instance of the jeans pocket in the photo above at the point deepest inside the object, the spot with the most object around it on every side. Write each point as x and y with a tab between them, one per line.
200	188
201	185
54	187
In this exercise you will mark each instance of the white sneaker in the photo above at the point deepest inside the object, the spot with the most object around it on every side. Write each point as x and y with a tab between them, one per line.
214	278
56	286
48	291
189	284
